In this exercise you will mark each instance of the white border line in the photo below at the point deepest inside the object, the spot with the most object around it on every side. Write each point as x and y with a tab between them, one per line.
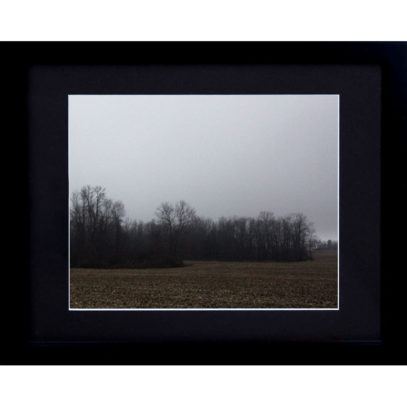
338	194
204	309
208	309
69	222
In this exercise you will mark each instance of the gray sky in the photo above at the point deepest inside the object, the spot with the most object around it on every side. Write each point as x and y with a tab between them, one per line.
225	155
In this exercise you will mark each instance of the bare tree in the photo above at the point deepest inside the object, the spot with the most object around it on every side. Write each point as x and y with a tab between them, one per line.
175	220
96	227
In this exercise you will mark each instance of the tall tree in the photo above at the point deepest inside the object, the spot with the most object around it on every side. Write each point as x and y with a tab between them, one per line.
175	221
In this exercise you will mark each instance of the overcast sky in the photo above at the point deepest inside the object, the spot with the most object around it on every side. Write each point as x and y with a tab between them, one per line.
225	155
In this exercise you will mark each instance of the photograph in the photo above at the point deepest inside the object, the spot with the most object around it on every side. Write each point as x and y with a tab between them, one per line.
203	202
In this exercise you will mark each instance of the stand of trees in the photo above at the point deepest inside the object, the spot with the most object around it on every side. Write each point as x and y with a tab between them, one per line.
101	237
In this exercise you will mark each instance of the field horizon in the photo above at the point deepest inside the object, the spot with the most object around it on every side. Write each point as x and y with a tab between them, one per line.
211	285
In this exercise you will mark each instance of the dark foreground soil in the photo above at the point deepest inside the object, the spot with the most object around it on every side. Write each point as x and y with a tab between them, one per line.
211	284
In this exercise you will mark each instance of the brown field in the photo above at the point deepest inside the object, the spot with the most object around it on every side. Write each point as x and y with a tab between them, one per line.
211	284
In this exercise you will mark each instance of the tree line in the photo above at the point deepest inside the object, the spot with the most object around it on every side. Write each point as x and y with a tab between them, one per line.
100	236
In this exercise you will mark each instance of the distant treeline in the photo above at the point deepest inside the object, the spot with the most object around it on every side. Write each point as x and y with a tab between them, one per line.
101	237
327	245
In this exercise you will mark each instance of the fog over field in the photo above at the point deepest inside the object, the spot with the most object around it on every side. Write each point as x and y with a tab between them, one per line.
225	155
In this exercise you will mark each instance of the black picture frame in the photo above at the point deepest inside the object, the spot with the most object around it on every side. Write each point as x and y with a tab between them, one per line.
41	74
